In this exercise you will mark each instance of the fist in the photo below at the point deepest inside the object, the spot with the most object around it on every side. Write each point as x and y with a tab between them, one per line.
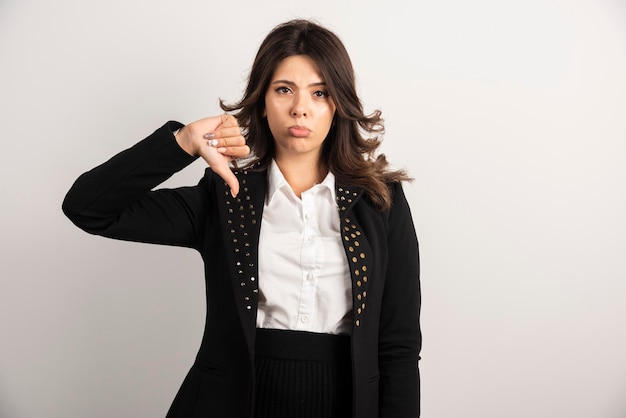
218	140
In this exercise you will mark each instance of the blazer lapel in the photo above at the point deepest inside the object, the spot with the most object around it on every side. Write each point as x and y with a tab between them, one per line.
357	250
241	223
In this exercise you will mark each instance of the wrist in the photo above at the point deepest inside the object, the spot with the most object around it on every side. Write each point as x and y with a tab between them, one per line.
185	141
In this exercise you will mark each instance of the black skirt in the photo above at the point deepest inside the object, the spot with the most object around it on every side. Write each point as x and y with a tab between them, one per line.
302	374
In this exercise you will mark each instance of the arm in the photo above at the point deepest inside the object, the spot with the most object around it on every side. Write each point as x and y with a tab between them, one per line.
400	336
116	199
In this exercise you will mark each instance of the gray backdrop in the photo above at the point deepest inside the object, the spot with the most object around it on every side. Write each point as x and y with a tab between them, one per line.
510	116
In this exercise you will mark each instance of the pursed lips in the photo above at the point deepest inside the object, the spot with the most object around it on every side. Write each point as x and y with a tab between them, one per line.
299	131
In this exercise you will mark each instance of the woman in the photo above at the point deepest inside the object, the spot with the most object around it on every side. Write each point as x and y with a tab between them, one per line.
311	259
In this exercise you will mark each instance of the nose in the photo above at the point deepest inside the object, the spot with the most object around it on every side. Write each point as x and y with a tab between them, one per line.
300	106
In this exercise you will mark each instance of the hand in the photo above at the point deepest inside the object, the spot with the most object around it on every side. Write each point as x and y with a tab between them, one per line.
227	144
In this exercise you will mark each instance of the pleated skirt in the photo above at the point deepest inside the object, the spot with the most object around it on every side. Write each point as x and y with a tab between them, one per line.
302	375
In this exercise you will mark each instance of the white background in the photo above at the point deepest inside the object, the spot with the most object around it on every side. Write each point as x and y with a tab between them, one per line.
511	116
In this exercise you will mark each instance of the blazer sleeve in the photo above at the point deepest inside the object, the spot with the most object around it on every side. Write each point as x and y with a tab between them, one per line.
117	200
400	336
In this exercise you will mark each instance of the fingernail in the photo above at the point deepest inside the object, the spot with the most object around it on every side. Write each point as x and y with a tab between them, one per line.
213	142
210	135
232	194
221	149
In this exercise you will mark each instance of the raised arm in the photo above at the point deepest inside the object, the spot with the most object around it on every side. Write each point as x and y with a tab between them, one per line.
116	199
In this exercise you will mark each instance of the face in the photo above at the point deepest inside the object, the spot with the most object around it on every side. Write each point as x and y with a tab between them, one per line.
298	108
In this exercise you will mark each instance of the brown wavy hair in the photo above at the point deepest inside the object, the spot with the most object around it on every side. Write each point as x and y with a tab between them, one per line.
349	150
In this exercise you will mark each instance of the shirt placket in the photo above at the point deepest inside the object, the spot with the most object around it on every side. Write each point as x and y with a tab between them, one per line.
310	244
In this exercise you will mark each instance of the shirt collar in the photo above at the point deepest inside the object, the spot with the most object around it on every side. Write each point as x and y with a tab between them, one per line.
276	181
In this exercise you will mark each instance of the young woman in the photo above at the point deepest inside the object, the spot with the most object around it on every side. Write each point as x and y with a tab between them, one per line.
311	258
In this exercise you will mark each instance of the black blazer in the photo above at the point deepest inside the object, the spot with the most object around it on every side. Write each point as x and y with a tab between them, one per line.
117	200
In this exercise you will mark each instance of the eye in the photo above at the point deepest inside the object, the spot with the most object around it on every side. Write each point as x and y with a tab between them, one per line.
321	94
282	90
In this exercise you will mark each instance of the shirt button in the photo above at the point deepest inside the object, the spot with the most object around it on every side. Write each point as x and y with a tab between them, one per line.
309	276
307	216
304	319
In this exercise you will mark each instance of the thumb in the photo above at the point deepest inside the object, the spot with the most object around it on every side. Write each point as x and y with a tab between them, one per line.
229	177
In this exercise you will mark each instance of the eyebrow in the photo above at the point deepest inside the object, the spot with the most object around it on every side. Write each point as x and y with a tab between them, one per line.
291	83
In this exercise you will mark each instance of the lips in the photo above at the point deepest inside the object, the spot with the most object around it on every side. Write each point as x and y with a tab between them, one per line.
299	131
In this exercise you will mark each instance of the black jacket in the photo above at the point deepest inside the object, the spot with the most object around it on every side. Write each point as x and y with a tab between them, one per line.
117	200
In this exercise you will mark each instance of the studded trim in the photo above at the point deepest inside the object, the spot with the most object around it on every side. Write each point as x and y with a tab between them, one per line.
356	246
243	225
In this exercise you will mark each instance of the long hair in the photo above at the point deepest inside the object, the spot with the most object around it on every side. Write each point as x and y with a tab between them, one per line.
349	150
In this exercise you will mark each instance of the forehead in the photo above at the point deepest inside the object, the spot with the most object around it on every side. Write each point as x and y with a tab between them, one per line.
297	67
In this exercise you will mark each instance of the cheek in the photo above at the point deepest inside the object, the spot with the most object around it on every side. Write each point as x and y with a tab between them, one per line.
272	109
331	111
330	115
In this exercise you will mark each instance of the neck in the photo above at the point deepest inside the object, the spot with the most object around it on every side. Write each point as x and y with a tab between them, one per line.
302	174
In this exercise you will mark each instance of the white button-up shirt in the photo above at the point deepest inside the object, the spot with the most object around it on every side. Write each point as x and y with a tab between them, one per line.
304	281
